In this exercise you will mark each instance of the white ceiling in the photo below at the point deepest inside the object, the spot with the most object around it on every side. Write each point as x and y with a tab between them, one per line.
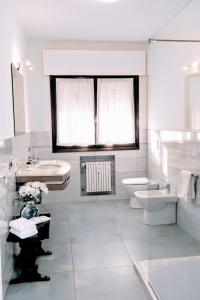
92	20
186	25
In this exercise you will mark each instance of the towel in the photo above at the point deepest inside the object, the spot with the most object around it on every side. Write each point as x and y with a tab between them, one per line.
24	234
21	224
40	219
186	186
197	198
192	188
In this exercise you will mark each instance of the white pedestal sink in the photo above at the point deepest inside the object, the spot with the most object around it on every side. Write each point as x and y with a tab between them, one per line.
159	206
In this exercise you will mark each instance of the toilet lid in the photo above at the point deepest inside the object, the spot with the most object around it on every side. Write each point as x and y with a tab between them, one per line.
140	180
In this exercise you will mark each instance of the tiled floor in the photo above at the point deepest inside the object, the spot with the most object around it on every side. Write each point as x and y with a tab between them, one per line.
94	245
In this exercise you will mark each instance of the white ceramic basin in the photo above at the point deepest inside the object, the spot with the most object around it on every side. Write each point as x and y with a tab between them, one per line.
48	166
155	199
159	206
157	195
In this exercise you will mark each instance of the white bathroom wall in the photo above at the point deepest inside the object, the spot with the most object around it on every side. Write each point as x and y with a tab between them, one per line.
128	163
38	84
12	49
192	101
166	90
93	62
169	152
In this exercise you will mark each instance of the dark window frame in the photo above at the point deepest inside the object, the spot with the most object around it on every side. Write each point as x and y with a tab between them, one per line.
97	147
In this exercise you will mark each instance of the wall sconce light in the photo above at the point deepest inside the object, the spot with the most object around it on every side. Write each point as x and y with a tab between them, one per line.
185	68
2	144
192	68
195	66
25	62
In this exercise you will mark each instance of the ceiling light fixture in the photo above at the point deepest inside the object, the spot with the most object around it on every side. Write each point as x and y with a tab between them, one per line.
109	1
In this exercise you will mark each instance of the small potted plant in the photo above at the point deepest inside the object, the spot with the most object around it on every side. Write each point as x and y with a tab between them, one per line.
31	194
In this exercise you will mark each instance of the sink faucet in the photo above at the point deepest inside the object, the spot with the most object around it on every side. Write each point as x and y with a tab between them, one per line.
35	157
166	186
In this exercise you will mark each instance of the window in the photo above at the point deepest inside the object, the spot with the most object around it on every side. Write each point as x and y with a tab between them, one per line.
75	112
94	113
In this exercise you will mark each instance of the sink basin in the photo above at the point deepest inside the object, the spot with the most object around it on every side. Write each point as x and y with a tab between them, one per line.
55	173
48	166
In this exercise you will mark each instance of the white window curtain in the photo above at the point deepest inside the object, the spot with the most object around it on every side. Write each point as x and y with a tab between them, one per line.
75	112
115	117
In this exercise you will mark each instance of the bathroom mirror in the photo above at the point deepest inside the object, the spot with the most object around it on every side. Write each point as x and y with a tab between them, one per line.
18	101
192	101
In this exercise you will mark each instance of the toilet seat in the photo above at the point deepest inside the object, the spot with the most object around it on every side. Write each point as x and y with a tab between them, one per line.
136	181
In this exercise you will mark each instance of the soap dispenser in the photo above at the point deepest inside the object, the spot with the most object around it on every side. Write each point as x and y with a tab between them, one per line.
29	160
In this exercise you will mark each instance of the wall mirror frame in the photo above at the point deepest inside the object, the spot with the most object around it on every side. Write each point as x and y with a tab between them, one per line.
18	101
192	101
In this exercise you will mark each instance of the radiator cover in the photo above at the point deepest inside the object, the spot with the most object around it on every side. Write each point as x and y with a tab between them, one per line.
97	175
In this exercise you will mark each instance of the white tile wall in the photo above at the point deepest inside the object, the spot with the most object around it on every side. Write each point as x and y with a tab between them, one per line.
165	161
15	150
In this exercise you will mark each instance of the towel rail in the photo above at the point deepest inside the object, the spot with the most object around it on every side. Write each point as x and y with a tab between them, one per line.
195	175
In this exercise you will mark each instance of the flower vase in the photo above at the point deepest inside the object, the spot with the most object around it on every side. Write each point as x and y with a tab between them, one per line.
38	199
29	210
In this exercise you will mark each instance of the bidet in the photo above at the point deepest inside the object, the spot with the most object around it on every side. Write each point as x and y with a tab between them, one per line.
159	206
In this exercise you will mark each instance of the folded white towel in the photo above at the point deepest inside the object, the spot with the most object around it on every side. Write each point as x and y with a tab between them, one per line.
25	233
21	223
186	186
40	219
26	230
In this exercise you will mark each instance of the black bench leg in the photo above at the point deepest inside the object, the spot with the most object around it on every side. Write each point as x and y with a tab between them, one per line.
28	255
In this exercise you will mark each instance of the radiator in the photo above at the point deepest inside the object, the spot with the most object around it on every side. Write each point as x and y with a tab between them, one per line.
98	177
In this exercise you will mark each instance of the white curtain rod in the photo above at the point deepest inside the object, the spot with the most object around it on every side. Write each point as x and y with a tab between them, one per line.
175	41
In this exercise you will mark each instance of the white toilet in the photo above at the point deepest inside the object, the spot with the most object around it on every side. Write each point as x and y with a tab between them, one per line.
138	184
159	206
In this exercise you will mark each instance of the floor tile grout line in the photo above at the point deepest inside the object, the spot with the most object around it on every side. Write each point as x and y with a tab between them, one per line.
73	270
70	246
94	242
104	268
122	241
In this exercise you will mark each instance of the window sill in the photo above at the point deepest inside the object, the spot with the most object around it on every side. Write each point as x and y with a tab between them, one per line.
60	149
